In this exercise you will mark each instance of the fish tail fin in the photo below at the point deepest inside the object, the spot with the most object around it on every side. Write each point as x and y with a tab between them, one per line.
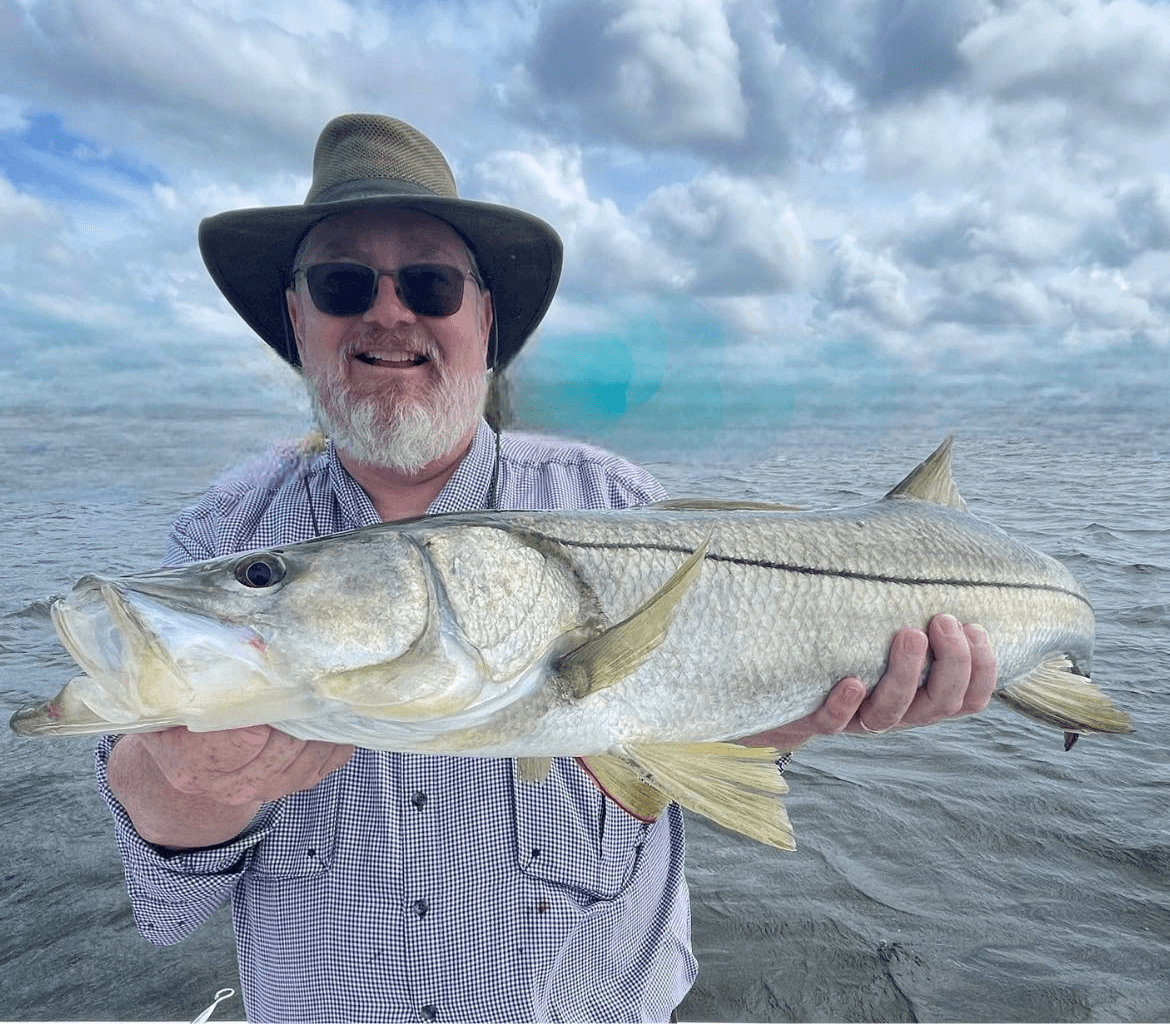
736	787
1056	695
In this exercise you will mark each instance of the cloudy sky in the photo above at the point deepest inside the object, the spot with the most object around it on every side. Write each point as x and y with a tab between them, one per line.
927	178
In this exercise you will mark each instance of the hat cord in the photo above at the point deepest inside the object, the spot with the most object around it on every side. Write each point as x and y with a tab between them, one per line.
494	486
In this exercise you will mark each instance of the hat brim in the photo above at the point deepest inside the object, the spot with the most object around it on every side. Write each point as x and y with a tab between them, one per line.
249	255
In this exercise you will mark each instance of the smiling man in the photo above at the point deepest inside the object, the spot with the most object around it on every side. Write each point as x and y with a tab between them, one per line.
380	886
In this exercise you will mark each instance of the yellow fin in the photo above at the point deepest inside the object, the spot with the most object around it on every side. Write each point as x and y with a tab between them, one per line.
720	505
624	785
736	787
1056	695
533	769
610	657
931	480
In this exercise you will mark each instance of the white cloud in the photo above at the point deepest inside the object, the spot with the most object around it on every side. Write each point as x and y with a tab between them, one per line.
739	236
605	250
24	220
871	283
652	72
1095	56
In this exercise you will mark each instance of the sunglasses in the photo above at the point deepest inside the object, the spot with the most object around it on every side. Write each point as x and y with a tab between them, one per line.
350	289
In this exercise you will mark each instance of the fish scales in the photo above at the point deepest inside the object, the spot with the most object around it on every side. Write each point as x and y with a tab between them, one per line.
776	634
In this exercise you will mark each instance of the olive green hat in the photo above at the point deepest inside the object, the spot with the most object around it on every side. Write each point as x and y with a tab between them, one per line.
365	160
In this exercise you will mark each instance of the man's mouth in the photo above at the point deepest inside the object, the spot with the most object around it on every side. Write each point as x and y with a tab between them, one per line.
393	360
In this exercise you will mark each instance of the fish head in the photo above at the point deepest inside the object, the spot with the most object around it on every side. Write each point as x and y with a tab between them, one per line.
241	639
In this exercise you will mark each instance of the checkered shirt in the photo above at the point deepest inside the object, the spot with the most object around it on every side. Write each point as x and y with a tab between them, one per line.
406	887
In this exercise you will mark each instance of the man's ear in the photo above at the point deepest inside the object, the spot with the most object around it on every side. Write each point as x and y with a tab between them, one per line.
488	317
292	304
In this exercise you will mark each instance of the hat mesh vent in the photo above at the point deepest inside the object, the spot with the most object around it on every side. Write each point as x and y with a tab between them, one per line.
357	146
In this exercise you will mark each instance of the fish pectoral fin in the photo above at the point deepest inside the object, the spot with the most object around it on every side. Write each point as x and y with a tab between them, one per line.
610	657
1055	695
533	769
931	480
720	505
623	783
736	787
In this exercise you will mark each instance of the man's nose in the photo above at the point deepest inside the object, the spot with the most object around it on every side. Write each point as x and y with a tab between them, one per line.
388	306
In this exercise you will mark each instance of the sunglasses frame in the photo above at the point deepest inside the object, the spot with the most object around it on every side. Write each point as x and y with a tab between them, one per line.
405	296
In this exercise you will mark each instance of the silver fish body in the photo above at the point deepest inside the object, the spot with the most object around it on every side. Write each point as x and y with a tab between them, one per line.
537	634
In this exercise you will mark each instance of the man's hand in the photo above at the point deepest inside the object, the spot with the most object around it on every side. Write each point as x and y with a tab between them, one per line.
241	766
961	681
186	789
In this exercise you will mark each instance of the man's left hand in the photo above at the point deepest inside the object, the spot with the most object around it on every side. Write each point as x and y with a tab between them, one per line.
961	681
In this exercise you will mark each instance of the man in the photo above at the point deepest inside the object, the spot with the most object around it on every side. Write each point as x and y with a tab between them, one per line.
380	886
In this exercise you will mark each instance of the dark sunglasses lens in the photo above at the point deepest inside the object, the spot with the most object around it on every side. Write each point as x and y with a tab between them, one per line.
431	289
341	289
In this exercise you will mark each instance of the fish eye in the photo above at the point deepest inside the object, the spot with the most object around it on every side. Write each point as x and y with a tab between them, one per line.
259	571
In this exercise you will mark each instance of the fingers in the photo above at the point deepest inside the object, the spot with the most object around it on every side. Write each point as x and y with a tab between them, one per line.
961	678
239	766
890	700
983	671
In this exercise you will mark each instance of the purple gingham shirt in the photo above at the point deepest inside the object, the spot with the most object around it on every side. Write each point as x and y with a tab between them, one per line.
406	887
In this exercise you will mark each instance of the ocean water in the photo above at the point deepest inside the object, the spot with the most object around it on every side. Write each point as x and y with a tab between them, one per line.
970	871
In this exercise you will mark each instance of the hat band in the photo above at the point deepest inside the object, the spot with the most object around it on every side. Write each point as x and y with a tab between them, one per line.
369	188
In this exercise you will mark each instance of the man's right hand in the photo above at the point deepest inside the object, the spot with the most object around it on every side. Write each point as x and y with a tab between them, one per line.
185	789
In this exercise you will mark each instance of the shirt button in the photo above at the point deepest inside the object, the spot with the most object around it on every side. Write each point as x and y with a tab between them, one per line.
419	800
421	907
428	1013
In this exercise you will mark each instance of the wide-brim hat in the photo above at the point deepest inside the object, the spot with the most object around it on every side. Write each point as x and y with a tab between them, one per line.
365	160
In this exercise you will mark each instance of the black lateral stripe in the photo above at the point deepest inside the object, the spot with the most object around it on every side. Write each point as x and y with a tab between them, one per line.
811	570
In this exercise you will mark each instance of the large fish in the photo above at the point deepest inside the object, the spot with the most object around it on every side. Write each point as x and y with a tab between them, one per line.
637	639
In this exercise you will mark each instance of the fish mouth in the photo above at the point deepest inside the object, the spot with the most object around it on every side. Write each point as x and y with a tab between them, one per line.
142	656
100	627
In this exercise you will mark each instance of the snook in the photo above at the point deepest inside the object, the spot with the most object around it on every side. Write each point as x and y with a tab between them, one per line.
636	639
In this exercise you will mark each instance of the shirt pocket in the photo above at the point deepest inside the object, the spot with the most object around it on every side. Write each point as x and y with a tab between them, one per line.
568	835
302	837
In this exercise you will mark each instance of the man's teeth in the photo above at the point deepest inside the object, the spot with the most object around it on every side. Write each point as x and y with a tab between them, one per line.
392	358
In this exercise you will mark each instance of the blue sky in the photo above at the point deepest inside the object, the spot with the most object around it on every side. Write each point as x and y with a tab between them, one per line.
929	179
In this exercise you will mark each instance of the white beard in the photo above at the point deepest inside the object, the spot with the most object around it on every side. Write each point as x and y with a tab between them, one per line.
416	433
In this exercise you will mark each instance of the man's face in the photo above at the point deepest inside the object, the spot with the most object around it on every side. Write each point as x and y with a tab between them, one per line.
390	385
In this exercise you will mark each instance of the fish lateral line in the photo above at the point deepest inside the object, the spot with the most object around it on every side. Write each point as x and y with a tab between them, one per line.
812	570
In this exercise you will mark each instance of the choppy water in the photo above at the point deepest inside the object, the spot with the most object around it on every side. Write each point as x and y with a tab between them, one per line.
971	871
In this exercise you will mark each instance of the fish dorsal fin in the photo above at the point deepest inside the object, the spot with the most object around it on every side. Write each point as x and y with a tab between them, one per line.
736	787
931	480
610	657
720	505
1052	693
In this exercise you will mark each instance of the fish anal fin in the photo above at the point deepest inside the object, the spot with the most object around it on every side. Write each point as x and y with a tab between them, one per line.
612	656
736	787
533	769
720	505
931	480
1055	695
625	786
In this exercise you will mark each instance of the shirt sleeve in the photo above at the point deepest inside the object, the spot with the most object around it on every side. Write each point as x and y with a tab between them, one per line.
173	893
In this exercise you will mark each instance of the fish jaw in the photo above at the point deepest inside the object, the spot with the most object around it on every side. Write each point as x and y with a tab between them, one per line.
152	662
